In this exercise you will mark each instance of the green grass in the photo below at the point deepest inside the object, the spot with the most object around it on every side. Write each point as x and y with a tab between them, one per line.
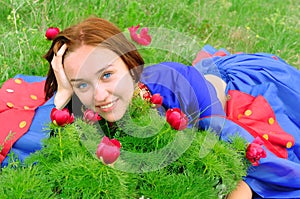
237	25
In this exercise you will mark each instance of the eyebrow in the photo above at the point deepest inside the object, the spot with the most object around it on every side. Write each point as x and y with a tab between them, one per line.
97	73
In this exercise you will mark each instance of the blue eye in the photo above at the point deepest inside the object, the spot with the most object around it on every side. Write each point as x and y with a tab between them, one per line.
106	75
82	85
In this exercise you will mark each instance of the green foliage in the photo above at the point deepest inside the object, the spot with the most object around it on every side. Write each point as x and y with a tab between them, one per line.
177	185
156	161
24	183
63	169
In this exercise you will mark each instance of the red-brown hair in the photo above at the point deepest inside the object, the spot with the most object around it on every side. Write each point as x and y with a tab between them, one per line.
94	31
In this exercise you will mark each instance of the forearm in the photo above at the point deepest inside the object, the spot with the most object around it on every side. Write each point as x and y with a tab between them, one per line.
64	88
242	191
62	98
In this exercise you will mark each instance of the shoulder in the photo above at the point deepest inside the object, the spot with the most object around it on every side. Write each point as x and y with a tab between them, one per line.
167	66
172	73
170	69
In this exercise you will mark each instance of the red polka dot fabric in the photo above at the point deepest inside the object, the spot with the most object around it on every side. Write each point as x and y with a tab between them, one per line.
18	101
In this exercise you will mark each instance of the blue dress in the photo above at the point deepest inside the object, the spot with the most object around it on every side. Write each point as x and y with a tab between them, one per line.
269	76
258	74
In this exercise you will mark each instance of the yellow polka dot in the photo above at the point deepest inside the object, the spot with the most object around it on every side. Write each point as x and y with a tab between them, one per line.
271	120
289	145
26	107
18	81
239	116
266	136
248	112
34	97
10	105
9	90
228	97
22	124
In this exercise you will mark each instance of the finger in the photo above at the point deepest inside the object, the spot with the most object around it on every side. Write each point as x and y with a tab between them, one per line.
57	59
62	50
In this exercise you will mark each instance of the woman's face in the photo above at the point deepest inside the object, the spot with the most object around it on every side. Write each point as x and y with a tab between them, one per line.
101	80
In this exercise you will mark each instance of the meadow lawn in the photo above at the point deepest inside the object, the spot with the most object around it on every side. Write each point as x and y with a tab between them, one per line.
271	26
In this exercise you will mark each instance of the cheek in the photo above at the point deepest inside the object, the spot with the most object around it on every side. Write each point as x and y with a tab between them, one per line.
125	86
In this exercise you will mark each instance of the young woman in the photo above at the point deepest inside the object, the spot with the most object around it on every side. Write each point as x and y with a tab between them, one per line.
250	95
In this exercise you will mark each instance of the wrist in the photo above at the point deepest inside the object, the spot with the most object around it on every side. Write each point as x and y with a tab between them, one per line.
61	99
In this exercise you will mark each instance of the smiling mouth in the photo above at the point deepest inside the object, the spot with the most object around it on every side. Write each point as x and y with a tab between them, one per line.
107	107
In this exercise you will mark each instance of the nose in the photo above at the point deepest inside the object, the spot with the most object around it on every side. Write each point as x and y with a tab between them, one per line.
101	93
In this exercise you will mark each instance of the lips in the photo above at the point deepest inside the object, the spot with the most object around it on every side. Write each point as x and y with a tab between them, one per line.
108	106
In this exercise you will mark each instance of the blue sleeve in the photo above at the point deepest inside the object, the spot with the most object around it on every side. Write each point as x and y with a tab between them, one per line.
29	78
183	87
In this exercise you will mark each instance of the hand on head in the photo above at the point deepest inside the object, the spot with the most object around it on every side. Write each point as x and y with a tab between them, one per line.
64	88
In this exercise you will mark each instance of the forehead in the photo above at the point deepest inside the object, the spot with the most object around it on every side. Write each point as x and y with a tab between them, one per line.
88	56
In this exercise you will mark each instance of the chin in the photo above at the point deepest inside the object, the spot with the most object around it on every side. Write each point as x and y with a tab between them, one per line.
113	118
114	115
